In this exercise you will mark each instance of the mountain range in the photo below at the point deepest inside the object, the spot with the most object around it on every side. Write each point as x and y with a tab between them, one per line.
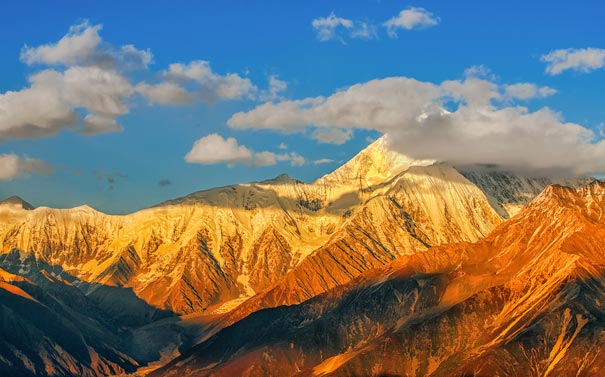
386	266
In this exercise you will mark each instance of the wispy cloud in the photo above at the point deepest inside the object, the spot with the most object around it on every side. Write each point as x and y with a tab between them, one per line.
337	28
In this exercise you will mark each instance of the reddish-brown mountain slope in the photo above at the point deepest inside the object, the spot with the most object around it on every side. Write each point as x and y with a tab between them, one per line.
527	300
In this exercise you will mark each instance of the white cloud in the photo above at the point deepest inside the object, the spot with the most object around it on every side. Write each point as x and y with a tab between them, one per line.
195	80
322	161
13	166
214	149
282	146
335	28
482	126
411	18
525	91
581	60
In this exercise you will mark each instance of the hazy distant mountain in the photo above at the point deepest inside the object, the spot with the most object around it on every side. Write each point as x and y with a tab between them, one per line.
526	300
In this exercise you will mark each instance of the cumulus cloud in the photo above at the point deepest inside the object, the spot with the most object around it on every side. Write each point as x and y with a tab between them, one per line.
52	101
483	124
335	28
214	149
196	81
411	18
86	92
85	84
13	166
581	60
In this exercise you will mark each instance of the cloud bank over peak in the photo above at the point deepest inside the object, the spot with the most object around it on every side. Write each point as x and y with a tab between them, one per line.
469	121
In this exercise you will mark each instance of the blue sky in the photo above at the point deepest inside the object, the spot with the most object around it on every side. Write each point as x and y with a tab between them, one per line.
144	162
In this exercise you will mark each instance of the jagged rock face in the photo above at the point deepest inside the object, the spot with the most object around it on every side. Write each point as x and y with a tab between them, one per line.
526	300
222	245
423	206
